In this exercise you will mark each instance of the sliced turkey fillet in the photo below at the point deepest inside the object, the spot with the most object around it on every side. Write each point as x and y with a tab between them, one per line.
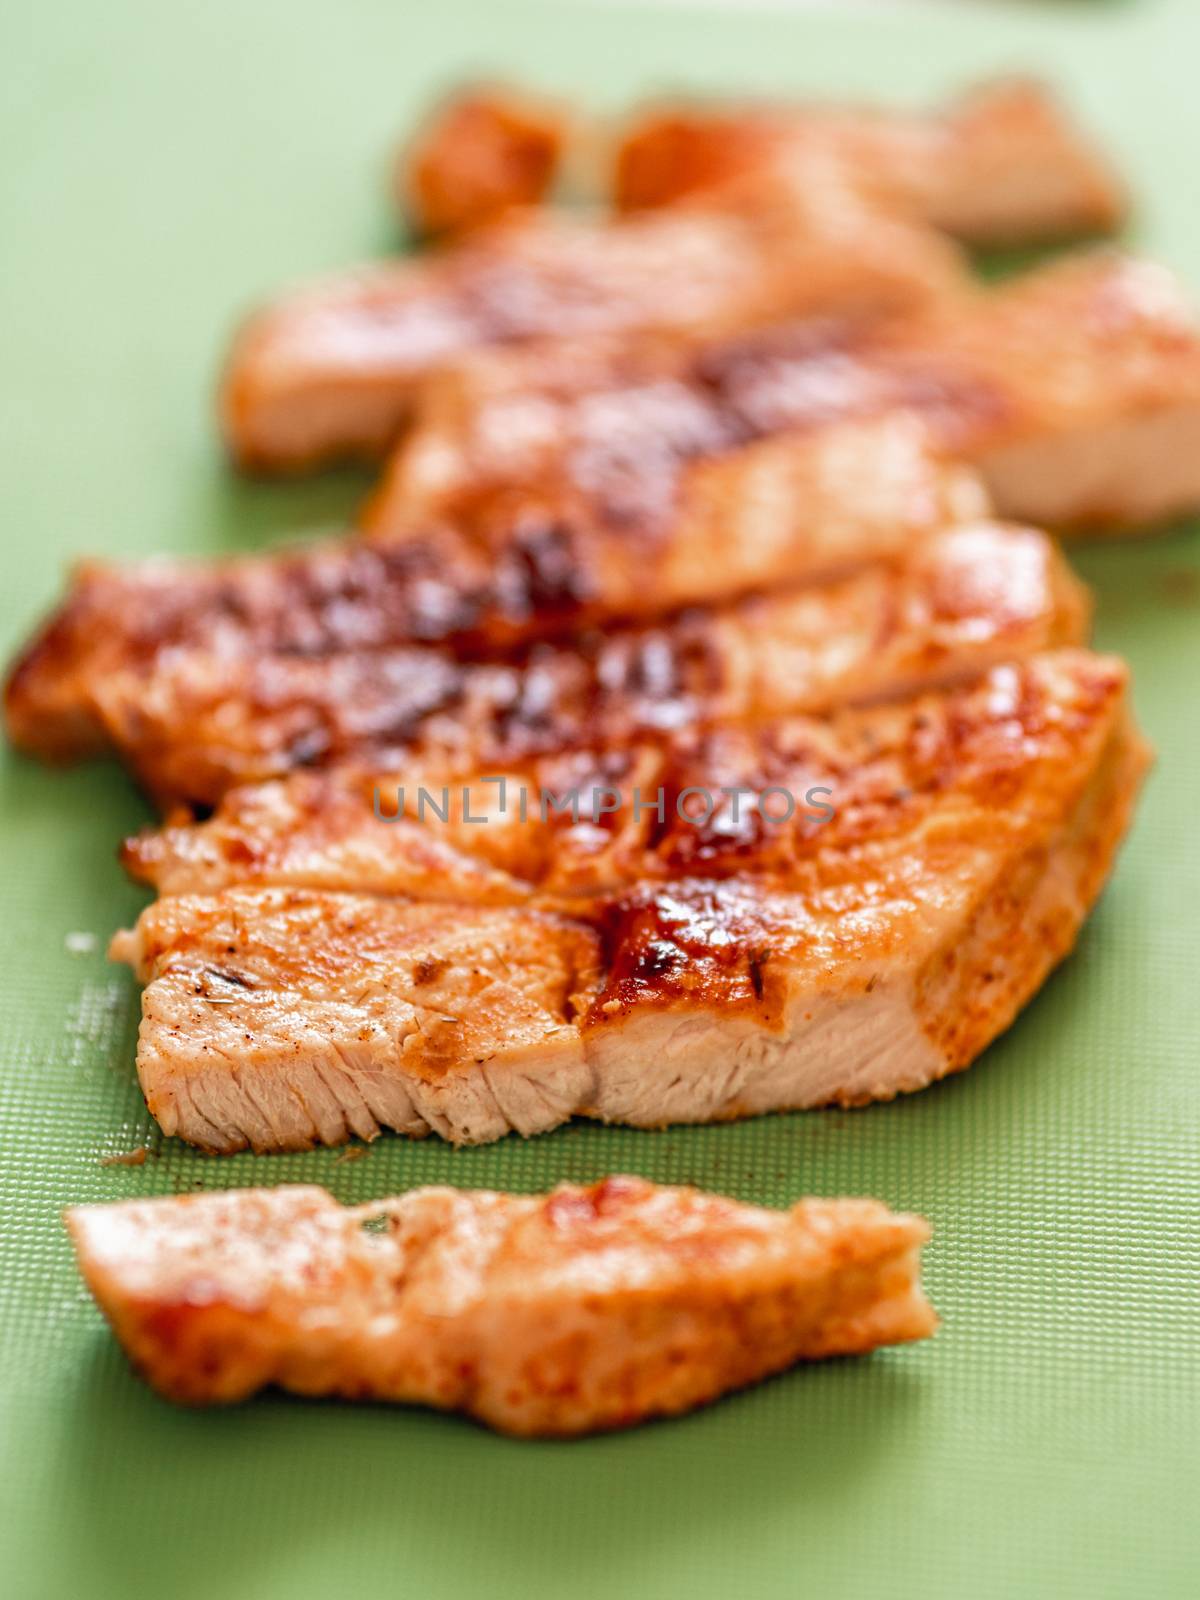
788	513
490	817
1004	164
584	1309
331	370
961	602
1073	389
709	971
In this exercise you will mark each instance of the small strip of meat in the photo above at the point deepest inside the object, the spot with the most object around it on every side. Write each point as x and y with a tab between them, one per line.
484	153
605	719
332	370
713	969
1074	390
1002	165
515	571
585	1309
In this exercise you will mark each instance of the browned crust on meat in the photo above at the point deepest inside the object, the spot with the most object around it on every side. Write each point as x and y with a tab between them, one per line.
290	688
1078	389
697	940
516	571
336	829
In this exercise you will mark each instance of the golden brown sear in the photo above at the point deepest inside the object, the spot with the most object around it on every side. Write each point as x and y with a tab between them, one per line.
574	486
520	567
204	711
574	816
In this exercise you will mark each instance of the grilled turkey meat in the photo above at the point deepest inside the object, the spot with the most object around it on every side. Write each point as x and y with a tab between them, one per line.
204	719
625	714
333	369
1074	390
575	485
783	213
683	972
513	572
1002	165
585	1309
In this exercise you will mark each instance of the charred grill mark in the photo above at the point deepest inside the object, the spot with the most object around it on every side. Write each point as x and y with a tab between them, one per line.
541	571
224	975
439	607
656	680
543	705
723	830
441	613
717	845
399	697
958	405
330	601
654	960
230	605
637	439
389	594
648	663
650	683
634	442
791	377
755	962
318	602
819	372
423	589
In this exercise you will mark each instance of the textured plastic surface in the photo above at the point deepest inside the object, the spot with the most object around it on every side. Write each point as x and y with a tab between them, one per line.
161	165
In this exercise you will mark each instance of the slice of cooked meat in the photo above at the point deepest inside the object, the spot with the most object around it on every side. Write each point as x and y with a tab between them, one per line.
575	719
730	965
277	1019
1074	389
331	370
1002	165
514	569
203	721
496	837
585	1309
485	152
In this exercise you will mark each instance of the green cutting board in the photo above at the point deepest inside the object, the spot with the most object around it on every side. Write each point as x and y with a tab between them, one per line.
162	165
